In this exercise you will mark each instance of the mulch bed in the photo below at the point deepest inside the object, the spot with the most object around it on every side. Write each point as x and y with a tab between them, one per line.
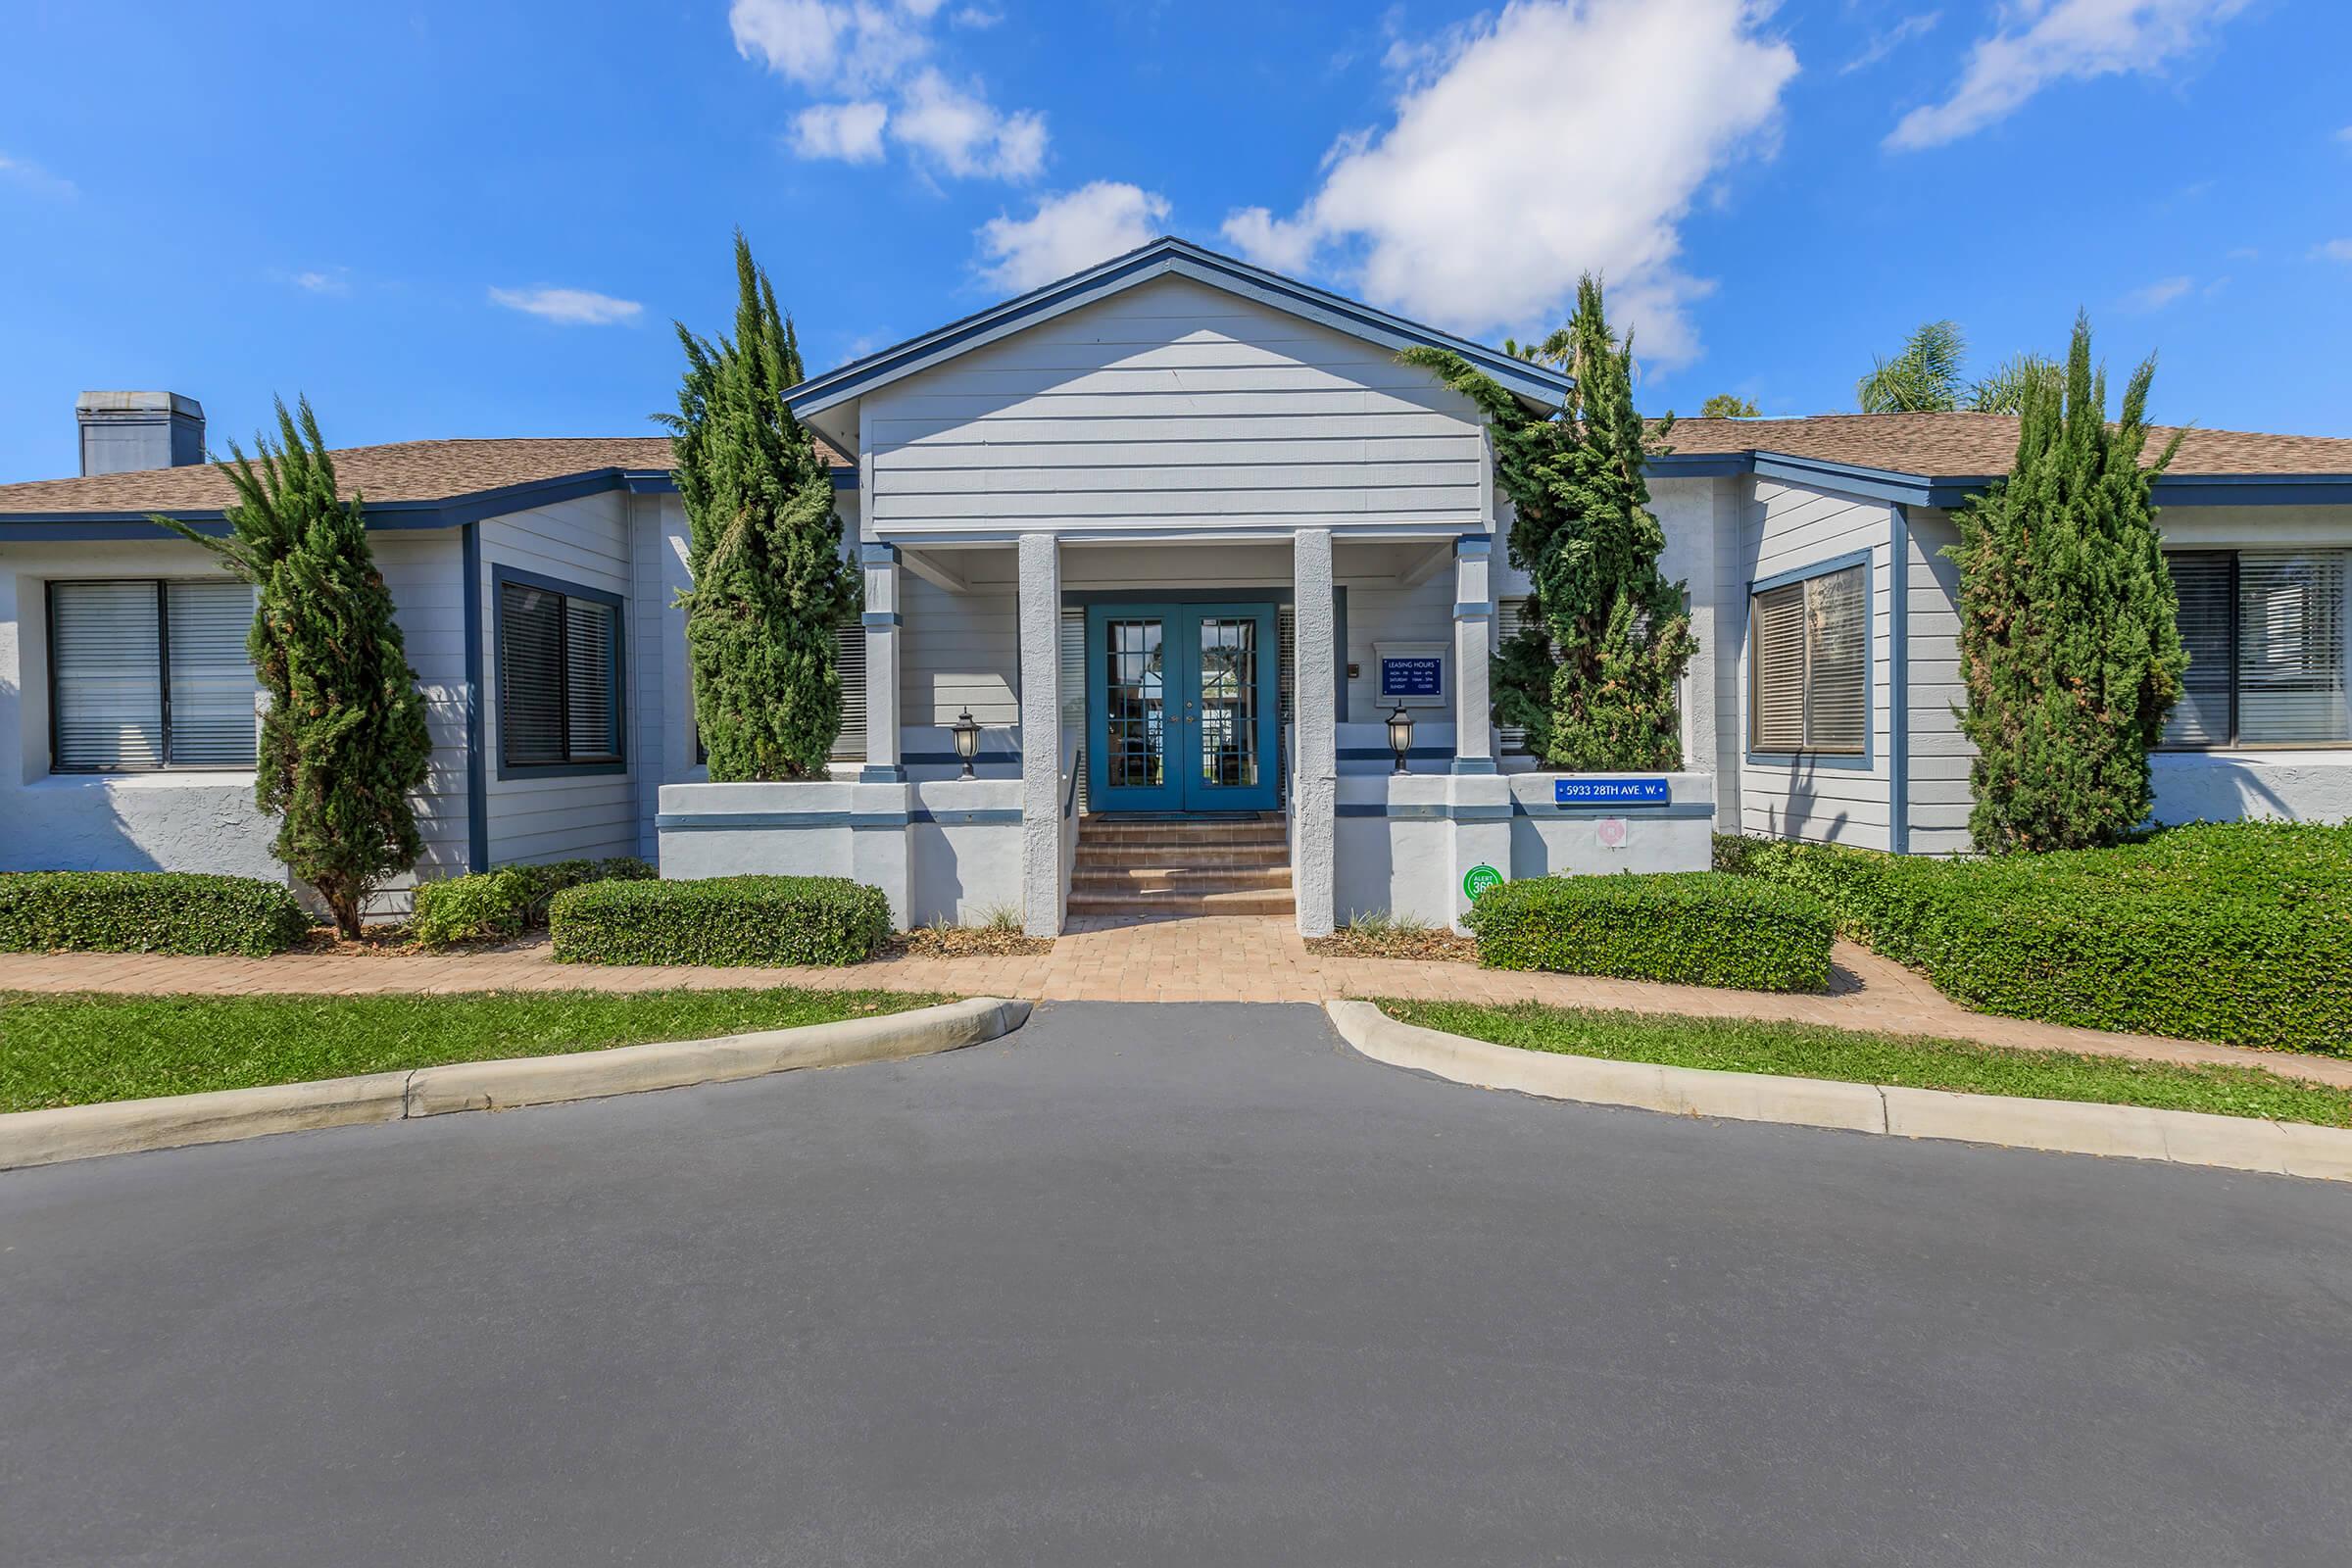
1435	945
963	942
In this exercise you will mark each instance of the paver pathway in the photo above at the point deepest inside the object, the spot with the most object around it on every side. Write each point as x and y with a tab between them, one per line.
1212	958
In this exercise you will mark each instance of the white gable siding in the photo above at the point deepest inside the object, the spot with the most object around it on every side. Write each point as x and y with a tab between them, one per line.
1171	405
584	542
1783	528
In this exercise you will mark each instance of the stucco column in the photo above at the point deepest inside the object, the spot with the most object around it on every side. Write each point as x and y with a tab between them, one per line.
1473	644
1313	799
882	634
1041	734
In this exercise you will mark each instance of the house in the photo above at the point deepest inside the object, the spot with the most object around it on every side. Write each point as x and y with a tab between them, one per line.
1180	536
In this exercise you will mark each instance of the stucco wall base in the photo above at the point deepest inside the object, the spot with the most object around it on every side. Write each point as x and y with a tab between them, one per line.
1405	842
2313	786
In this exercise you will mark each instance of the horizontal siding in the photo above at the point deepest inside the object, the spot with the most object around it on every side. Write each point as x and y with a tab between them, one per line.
587	542
1787	528
1937	789
1173	404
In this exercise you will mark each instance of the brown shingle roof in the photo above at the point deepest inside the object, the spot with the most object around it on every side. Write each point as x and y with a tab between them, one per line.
404	470
1973	445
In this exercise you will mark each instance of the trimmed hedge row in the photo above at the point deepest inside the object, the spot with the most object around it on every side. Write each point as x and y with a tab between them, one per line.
147	911
728	920
1688	929
2240	933
494	906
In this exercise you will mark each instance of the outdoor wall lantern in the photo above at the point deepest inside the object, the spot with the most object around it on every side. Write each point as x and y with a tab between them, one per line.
968	740
1401	734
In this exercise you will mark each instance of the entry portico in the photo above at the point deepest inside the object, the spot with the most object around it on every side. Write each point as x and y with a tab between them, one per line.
1169	521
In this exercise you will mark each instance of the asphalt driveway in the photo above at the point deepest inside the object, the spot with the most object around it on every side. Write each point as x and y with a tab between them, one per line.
1180	1284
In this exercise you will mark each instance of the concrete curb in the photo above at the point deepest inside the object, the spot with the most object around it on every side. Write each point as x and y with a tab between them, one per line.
118	1127
2130	1132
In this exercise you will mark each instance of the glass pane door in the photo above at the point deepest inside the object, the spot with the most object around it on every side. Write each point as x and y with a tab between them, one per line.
1228	696
1180	706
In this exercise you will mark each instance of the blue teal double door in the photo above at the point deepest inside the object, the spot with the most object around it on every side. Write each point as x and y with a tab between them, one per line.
1182	703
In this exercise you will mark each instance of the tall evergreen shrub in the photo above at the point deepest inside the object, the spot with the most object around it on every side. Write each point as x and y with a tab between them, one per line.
343	738
1591	675
770	585
2069	640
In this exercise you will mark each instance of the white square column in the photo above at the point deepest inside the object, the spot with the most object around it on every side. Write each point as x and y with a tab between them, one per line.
1039	613
883	631
1473	648
1314	795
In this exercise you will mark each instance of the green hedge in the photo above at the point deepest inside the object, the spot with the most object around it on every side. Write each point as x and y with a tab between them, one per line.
722	920
1699	928
147	911
494	906
2238	932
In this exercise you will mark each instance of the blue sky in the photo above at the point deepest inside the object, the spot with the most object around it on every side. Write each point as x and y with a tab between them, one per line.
480	220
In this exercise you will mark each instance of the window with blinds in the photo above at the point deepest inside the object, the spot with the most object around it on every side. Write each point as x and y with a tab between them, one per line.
558	678
2268	636
1510	619
1809	665
147	674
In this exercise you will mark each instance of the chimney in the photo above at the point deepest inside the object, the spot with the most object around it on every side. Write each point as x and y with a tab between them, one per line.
123	433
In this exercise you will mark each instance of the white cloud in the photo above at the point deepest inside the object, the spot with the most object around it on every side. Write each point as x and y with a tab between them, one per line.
29	176
2345	136
1070	233
2045	41
965	134
851	132
568	307
2335	250
1475	207
326	280
2157	294
1886	43
865	49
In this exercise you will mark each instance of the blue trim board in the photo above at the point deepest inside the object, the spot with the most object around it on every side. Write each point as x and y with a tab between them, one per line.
477	765
500	575
1473	544
1465	609
855	821
1840	760
1898	680
449	512
880	618
1164	257
1950	490
1439	812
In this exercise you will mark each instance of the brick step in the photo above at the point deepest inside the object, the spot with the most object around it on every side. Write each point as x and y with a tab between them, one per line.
1091	831
1182	903
1111	856
1107	880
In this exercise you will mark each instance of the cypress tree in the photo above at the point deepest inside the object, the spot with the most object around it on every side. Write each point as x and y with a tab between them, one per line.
2069	640
1592	675
770	585
343	738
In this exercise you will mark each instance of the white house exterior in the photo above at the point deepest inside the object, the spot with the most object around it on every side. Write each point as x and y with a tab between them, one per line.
1179	535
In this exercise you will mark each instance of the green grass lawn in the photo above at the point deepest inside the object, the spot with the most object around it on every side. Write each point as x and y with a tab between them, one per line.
1811	1050
73	1051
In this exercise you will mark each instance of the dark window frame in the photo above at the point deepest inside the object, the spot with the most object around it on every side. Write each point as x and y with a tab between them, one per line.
501	576
1861	758
163	657
2235	624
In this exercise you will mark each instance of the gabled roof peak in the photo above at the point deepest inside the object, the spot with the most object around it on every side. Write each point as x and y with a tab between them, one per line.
1167	256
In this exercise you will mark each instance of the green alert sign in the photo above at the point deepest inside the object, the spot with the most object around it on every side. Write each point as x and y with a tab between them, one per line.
1478	879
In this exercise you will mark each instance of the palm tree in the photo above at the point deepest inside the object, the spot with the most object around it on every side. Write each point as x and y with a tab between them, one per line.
1924	378
2005	389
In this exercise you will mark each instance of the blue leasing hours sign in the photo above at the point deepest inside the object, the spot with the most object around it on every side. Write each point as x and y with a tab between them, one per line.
1412	677
1611	792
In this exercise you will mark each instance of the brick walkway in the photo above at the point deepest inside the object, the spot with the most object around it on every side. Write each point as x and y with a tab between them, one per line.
1214	958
